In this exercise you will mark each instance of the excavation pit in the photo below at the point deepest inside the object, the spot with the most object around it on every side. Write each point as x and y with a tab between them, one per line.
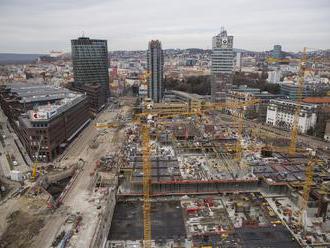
166	221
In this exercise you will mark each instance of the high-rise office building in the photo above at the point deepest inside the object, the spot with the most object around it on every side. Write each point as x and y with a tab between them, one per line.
277	52
90	64
155	59
222	64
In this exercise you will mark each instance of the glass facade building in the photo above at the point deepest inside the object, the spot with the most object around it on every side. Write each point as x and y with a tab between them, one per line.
222	53
155	59
90	63
277	52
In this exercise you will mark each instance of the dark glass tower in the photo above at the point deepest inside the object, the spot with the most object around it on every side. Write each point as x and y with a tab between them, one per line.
277	52
90	63
155	60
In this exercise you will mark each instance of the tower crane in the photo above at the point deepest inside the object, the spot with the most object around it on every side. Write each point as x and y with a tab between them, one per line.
272	60
146	186
300	93
309	174
142	121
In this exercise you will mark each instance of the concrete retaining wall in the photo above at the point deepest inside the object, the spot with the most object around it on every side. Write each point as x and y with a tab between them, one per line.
205	187
102	231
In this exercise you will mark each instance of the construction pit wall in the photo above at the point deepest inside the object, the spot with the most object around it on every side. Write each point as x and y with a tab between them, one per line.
243	208
226	220
198	187
104	223
57	184
105	177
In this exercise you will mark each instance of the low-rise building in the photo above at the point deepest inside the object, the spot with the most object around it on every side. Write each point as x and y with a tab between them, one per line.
323	113
194	101
281	113
45	118
94	94
291	90
274	77
17	98
175	102
244	94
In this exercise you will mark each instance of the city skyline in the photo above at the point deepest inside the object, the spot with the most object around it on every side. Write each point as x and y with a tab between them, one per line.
257	25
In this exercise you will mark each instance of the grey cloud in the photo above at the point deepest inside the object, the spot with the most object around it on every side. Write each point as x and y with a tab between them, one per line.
40	25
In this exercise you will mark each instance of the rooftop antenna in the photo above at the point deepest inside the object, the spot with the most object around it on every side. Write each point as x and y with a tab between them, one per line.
83	34
223	31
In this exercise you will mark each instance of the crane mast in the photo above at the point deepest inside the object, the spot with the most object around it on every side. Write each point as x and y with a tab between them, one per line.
300	93
146	186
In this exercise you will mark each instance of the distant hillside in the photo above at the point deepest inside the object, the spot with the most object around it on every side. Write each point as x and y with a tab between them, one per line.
17	58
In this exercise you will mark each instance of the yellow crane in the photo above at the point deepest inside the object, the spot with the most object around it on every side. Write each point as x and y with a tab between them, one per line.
272	60
107	125
146	156
309	174
205	107
300	93
145	77
146	186
239	119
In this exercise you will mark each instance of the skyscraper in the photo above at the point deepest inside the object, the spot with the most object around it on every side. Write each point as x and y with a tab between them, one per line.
155	59
90	64
222	63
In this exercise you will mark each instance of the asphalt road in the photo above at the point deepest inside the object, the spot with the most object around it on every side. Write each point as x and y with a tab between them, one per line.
77	197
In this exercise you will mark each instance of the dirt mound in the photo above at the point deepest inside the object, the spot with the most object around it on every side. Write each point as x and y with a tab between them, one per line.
21	230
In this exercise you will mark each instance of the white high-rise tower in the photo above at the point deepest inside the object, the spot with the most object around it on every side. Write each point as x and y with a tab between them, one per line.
222	63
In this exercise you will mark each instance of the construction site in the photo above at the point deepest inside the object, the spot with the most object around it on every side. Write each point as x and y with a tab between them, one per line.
182	172
216	183
196	176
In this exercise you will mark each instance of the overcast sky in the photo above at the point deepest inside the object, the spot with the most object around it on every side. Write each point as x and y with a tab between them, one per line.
28	26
